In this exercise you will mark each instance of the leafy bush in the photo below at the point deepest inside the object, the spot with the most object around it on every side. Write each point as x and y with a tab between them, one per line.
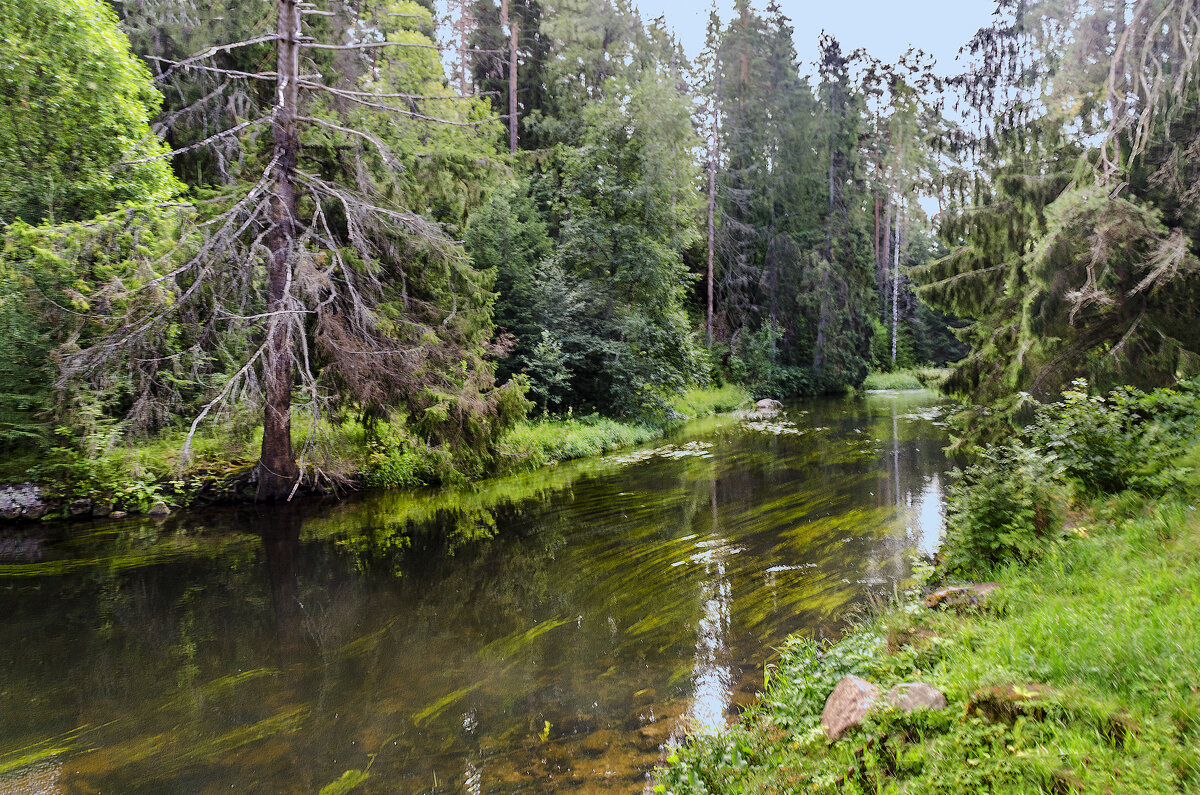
1006	507
1125	440
756	365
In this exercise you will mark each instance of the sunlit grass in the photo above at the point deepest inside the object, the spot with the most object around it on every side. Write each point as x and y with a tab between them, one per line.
549	440
916	378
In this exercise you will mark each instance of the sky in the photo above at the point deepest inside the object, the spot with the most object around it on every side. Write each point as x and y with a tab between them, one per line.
885	28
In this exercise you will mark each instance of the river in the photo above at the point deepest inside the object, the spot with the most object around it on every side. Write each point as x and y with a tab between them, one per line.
550	632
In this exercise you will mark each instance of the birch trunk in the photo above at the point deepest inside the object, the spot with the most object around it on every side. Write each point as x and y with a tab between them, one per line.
512	75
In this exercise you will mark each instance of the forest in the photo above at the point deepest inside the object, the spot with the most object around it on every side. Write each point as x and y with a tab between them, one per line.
747	414
309	246
366	242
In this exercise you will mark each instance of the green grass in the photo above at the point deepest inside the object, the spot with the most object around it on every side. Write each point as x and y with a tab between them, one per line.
1107	618
539	443
916	378
702	402
901	379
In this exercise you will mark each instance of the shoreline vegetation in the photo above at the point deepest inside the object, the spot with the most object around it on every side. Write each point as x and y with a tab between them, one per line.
905	379
1076	673
148	477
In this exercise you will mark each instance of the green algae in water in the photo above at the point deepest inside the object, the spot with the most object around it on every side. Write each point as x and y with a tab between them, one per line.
546	632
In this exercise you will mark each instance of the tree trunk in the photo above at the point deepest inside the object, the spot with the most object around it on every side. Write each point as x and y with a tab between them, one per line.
277	470
896	283
885	265
512	76
875	242
712	233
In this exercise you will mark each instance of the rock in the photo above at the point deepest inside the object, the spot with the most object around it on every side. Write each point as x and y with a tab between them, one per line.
914	637
912	696
26	495
80	506
1005	703
158	509
117	515
102	507
767	404
960	597
23	500
37	511
847	705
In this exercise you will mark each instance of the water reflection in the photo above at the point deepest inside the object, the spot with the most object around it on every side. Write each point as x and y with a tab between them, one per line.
712	674
544	633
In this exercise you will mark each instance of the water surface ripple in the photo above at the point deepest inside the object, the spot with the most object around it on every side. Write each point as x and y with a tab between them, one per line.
551	632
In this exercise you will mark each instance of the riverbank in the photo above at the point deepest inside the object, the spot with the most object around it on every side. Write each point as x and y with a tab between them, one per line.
915	378
148	478
1078	673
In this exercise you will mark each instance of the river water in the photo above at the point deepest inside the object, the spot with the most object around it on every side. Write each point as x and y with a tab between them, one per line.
546	633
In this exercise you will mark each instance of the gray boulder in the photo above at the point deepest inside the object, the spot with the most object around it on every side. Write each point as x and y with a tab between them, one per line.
912	696
960	597
847	705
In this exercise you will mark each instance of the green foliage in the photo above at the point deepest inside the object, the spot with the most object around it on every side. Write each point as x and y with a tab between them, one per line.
1072	252
75	104
52	278
507	236
895	380
548	371
757	364
1125	440
631	207
1006	507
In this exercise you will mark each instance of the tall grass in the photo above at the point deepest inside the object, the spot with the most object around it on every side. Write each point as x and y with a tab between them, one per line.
916	378
550	440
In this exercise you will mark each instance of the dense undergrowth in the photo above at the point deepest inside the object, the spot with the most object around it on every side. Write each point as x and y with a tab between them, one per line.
1090	527
132	477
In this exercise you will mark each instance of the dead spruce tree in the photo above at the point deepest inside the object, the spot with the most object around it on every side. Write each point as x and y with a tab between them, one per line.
312	286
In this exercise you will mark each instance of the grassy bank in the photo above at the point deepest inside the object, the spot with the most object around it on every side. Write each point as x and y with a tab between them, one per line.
916	378
538	443
1081	673
133	477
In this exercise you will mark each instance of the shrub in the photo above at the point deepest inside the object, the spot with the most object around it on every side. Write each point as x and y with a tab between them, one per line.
1125	440
1006	507
756	364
